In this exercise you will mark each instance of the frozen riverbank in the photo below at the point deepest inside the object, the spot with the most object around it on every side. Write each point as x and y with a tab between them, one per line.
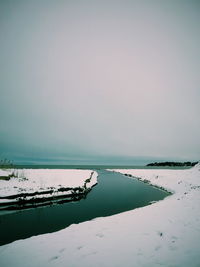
113	194
25	187
166	233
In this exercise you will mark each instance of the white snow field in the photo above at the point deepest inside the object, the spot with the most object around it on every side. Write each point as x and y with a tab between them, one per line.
166	233
33	181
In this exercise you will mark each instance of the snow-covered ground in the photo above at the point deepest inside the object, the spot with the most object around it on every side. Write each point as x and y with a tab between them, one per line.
42	183
166	233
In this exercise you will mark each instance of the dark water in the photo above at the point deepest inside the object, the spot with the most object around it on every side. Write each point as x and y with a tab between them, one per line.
114	193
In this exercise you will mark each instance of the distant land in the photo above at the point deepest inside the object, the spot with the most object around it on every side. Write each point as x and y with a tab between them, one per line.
173	164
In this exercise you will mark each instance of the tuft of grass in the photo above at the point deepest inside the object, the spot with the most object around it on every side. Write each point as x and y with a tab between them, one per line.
6	164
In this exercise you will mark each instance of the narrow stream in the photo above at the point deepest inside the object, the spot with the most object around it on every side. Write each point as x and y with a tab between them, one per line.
114	193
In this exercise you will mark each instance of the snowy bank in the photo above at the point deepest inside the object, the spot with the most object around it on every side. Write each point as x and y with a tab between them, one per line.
166	233
28	186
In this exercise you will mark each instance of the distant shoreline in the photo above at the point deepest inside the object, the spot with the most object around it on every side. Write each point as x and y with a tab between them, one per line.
172	164
96	167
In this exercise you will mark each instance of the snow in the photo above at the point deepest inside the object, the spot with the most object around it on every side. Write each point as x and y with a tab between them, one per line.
43	180
166	233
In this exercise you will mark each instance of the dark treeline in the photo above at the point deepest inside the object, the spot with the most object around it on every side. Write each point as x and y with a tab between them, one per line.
173	164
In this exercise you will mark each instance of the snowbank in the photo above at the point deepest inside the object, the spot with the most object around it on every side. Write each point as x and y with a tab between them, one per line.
166	233
39	184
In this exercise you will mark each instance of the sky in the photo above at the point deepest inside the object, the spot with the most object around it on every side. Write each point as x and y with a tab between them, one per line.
99	81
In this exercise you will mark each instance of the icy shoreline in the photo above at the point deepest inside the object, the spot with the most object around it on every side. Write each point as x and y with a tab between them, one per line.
166	233
33	187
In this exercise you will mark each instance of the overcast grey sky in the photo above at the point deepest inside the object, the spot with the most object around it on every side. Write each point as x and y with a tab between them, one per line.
91	79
